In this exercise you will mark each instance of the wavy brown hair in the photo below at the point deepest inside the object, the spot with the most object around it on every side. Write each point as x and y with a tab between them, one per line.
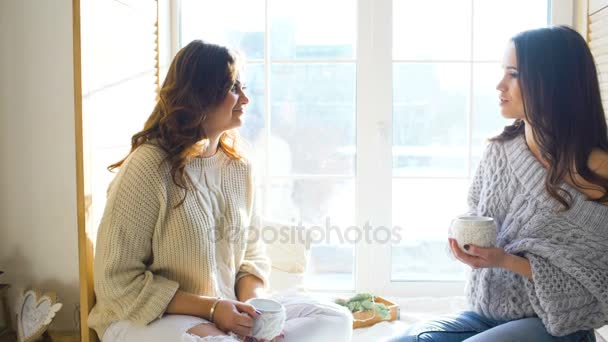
562	103
198	80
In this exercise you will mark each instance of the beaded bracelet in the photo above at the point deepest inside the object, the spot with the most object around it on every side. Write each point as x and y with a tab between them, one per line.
212	311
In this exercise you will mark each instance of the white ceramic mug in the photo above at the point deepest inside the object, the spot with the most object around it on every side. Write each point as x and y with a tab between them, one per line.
270	323
474	230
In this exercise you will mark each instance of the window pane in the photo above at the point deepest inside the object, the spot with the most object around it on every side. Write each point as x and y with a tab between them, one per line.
253	120
432	29
430	106
424	227
311	201
411	262
496	21
487	120
330	268
313	112
323	209
312	29
238	24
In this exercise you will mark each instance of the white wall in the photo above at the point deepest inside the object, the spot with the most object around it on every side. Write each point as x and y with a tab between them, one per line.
38	226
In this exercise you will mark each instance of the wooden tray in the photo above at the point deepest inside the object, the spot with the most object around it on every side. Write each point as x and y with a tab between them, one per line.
369	318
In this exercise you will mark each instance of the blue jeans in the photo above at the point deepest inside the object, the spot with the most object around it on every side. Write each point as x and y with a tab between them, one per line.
471	327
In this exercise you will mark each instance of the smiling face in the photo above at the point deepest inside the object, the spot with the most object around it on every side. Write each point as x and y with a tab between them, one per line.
511	102
228	114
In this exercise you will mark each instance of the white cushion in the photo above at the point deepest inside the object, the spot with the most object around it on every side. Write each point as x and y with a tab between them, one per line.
287	253
281	281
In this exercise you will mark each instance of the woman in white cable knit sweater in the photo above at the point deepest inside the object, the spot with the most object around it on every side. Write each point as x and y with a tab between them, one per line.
544	180
178	249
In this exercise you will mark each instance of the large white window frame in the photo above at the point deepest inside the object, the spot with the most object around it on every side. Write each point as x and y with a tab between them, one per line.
374	174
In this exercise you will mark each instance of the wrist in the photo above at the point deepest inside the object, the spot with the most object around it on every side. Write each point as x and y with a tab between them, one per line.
518	264
211	315
505	262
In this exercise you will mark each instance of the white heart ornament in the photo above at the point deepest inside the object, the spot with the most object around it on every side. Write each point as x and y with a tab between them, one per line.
35	313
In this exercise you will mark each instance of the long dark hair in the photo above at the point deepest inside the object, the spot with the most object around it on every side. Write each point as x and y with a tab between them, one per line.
199	78
562	104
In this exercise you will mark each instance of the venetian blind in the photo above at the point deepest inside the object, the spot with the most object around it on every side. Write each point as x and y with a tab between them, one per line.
118	50
597	35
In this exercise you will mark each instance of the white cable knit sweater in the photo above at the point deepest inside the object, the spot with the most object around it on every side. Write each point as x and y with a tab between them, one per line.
147	249
567	250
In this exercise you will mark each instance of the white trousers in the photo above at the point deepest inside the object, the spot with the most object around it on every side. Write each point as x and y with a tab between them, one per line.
307	320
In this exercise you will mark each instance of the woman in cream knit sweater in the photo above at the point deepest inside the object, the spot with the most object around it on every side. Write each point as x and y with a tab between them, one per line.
177	250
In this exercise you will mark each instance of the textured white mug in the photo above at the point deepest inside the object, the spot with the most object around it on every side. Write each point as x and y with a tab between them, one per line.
270	323
474	230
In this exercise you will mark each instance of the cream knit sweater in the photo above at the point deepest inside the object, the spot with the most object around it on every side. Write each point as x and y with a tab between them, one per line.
147	249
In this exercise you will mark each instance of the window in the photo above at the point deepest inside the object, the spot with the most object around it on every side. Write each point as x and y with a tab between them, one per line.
444	107
368	118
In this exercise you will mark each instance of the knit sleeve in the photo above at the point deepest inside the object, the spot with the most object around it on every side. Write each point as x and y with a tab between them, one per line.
566	303
255	261
124	286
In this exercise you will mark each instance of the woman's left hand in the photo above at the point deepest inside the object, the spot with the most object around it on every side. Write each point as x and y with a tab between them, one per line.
479	257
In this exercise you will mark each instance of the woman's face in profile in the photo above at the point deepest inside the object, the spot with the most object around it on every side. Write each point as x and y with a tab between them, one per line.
510	100
228	115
